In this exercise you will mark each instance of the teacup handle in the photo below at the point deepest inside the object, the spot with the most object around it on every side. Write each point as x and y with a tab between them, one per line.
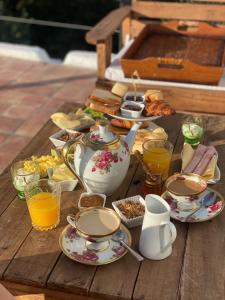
71	220
173	232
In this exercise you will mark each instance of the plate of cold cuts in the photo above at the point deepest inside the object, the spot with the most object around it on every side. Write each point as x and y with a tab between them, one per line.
201	161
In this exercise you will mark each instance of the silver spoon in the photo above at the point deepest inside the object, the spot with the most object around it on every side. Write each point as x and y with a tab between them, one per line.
119	237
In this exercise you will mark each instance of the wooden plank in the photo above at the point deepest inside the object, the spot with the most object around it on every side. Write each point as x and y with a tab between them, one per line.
162	277
123	274
180	11
14	227
204	264
19	289
185	99
40	250
106	27
38	145
64	275
125	31
104	50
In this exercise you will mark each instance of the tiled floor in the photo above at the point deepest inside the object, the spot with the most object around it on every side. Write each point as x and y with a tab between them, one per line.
29	93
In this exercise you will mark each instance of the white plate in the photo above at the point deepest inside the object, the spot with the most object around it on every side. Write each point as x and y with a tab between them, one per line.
141	119
217	174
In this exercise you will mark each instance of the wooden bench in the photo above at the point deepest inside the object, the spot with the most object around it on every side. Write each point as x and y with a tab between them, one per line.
132	19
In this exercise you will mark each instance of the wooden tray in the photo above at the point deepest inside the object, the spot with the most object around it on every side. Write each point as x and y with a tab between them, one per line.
177	52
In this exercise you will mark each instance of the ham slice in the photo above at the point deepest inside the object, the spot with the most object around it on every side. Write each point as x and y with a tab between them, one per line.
205	160
197	157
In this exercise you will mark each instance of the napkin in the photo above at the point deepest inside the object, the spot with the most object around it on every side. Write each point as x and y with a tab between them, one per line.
187	155
72	120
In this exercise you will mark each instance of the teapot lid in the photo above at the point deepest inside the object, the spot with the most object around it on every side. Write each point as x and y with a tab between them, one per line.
102	135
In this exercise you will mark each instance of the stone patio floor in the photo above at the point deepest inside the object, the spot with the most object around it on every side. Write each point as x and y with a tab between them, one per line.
29	93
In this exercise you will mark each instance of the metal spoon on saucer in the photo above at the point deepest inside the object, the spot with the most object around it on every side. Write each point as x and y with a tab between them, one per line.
119	237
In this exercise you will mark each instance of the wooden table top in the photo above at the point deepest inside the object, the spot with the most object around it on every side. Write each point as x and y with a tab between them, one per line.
32	262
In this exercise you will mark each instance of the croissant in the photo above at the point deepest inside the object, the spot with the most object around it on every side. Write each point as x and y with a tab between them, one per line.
158	108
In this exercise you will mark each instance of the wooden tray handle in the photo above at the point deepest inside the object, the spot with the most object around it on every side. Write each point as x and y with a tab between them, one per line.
170	63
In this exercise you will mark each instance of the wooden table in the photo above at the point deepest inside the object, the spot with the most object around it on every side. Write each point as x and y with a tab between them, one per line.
31	261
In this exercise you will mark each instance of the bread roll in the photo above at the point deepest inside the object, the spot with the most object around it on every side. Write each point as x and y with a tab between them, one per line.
145	134
119	89
153	95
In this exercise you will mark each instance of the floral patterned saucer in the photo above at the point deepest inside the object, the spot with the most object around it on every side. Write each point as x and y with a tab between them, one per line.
204	213
74	246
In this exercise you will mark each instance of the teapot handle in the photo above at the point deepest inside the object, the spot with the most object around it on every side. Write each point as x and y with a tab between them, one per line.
65	153
173	232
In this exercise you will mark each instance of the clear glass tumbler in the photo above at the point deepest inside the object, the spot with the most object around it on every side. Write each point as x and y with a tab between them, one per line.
43	201
20	177
192	129
157	155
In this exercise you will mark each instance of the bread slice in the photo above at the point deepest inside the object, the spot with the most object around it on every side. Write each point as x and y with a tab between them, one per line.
104	108
105	97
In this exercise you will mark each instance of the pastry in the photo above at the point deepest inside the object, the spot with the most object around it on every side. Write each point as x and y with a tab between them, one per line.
153	95
126	124
158	108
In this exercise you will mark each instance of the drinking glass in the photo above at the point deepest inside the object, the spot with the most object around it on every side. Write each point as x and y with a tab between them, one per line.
43	201
192	129
157	156
20	177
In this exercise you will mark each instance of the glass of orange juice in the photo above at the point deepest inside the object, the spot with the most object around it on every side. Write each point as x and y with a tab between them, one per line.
157	155
43	201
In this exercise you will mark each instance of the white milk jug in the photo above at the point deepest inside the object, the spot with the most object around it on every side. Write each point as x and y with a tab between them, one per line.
158	233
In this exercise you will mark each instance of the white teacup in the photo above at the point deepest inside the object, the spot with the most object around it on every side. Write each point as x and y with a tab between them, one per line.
96	225
186	189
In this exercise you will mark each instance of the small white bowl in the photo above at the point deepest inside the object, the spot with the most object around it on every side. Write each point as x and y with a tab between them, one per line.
129	222
55	137
68	185
131	94
91	194
131	113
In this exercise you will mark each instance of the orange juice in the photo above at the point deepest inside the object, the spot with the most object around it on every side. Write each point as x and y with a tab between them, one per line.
158	160
44	209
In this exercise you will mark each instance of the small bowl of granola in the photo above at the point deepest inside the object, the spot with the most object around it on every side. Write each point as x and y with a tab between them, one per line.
61	137
130	210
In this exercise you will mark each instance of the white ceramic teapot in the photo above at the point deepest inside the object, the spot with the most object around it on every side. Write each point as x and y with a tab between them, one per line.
158	233
100	159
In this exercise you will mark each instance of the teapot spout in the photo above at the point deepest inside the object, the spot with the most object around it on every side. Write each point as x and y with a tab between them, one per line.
130	138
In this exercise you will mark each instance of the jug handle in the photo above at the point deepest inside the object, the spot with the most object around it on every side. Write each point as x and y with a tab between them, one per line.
173	232
65	152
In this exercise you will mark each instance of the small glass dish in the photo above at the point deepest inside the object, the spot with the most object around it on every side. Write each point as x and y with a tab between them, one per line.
132	222
91	197
127	111
130	96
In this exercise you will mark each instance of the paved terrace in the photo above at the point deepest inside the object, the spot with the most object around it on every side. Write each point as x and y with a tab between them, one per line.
29	93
